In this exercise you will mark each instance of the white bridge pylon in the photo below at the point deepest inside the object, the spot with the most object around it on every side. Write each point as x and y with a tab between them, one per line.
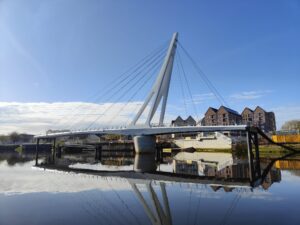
160	89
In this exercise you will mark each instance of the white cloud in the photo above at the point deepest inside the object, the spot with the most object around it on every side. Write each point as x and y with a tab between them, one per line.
200	98
248	95
38	117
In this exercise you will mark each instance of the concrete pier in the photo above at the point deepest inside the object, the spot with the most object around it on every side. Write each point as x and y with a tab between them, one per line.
145	153
145	162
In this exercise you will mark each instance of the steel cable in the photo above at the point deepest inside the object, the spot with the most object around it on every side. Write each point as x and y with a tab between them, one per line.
204	77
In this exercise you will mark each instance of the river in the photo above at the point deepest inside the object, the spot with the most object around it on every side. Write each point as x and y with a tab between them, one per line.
185	190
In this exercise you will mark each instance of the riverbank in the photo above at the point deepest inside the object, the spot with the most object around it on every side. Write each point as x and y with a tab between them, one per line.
26	148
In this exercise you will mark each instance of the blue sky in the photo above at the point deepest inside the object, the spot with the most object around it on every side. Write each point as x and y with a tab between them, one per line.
64	51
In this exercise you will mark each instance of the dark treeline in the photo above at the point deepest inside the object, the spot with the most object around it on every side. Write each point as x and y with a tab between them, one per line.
14	138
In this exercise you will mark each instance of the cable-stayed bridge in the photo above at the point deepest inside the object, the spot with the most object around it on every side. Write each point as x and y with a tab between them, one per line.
144	134
158	96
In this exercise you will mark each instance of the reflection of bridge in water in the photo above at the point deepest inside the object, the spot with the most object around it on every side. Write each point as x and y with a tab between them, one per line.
151	189
236	173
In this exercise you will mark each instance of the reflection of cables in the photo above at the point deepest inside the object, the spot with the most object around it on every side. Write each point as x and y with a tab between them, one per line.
125	204
112	206
204	77
230	209
85	205
197	208
189	208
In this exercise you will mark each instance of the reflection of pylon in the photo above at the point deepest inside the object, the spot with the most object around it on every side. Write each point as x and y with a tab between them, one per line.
161	216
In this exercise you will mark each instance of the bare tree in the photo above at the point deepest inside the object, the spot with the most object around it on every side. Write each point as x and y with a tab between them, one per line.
14	137
292	125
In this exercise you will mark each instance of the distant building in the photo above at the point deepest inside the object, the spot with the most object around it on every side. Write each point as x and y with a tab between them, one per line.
221	117
179	122
247	116
260	118
210	118
225	116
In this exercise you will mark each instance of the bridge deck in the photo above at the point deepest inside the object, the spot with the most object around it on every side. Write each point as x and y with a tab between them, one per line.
136	131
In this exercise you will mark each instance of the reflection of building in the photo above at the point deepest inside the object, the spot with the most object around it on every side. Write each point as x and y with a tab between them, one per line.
234	171
219	165
201	163
210	169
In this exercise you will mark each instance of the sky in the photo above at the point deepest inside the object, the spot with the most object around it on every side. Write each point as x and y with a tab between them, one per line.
55	55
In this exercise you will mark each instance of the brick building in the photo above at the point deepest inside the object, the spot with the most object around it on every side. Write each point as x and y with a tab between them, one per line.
221	117
210	118
225	116
260	118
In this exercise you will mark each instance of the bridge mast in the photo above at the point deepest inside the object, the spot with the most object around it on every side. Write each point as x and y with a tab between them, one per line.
160	88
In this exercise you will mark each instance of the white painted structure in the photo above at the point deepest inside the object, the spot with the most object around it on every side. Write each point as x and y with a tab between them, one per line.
216	140
160	88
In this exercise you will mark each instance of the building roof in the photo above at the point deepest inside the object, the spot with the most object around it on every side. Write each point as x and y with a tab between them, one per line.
190	118
258	107
230	110
246	108
214	109
178	118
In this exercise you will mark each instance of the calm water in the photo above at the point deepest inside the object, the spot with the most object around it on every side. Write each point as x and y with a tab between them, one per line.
218	192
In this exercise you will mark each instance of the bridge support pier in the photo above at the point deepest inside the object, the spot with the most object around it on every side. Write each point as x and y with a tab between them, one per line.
53	150
254	163
37	152
145	152
98	152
